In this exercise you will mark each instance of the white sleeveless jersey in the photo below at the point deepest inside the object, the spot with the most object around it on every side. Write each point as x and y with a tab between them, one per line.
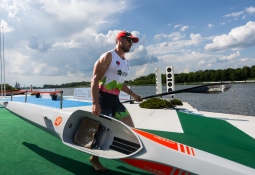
114	76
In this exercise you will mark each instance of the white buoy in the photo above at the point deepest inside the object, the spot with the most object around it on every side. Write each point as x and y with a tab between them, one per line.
158	81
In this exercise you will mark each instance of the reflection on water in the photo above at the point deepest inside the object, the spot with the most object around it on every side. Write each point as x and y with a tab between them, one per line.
240	99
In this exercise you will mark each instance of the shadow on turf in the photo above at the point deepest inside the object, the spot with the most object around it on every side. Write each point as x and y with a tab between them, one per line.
74	166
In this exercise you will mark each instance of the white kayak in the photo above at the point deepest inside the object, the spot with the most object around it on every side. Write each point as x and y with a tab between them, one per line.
65	125
132	146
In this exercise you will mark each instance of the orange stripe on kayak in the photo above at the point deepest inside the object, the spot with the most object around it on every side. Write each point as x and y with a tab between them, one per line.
182	148
166	142
183	173
153	167
187	149
193	153
163	141
176	172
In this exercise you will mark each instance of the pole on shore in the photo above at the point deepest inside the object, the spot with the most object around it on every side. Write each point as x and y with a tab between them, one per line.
1	62
26	96
61	99
4	88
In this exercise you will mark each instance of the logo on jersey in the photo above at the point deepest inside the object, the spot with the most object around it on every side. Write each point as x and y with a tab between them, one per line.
118	63
120	73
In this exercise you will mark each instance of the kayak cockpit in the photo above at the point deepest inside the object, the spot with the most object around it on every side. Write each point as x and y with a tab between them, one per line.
100	136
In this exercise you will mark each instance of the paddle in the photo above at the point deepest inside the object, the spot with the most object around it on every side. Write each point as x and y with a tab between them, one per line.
213	88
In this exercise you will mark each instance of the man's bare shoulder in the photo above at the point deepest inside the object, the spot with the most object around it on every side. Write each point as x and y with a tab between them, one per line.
106	57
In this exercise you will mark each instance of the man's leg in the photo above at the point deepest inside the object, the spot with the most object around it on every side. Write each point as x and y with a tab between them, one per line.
128	121
94	160
105	105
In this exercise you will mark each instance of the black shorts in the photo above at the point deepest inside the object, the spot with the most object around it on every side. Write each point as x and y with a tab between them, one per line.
111	106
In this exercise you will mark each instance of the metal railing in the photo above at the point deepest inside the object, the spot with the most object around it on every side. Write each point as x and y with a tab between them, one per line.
61	97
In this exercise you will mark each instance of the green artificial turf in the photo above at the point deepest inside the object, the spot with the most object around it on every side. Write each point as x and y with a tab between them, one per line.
214	136
25	149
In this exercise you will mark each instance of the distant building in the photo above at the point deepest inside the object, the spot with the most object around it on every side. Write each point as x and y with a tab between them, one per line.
17	85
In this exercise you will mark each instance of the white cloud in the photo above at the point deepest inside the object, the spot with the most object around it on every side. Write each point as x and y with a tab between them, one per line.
174	45
209	65
201	63
17	62
91	10
195	39
244	60
230	57
178	25
197	55
5	27
184	28
186	70
210	25
237	38
140	57
242	14
237	14
141	71
71	44
13	7
250	9
175	36
109	38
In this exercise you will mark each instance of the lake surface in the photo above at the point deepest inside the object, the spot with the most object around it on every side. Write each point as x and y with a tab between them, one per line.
240	99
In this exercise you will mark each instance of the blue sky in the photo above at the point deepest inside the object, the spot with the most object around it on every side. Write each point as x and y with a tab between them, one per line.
55	42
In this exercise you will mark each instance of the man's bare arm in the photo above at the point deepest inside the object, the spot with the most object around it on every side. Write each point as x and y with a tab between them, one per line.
100	68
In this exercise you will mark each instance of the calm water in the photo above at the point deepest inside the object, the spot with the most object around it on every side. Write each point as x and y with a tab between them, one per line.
240	99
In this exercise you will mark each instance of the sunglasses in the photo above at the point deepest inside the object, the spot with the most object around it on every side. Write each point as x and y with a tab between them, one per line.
129	39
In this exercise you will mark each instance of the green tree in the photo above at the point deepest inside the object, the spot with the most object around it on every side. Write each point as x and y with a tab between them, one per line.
218	74
224	76
191	77
163	77
246	72
8	87
232	76
252	71
206	75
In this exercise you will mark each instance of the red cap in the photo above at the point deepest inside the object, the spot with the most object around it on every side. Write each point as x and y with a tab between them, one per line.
129	35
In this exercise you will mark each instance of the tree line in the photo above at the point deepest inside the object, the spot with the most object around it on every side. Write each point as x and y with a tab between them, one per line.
230	74
68	85
239	74
219	75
